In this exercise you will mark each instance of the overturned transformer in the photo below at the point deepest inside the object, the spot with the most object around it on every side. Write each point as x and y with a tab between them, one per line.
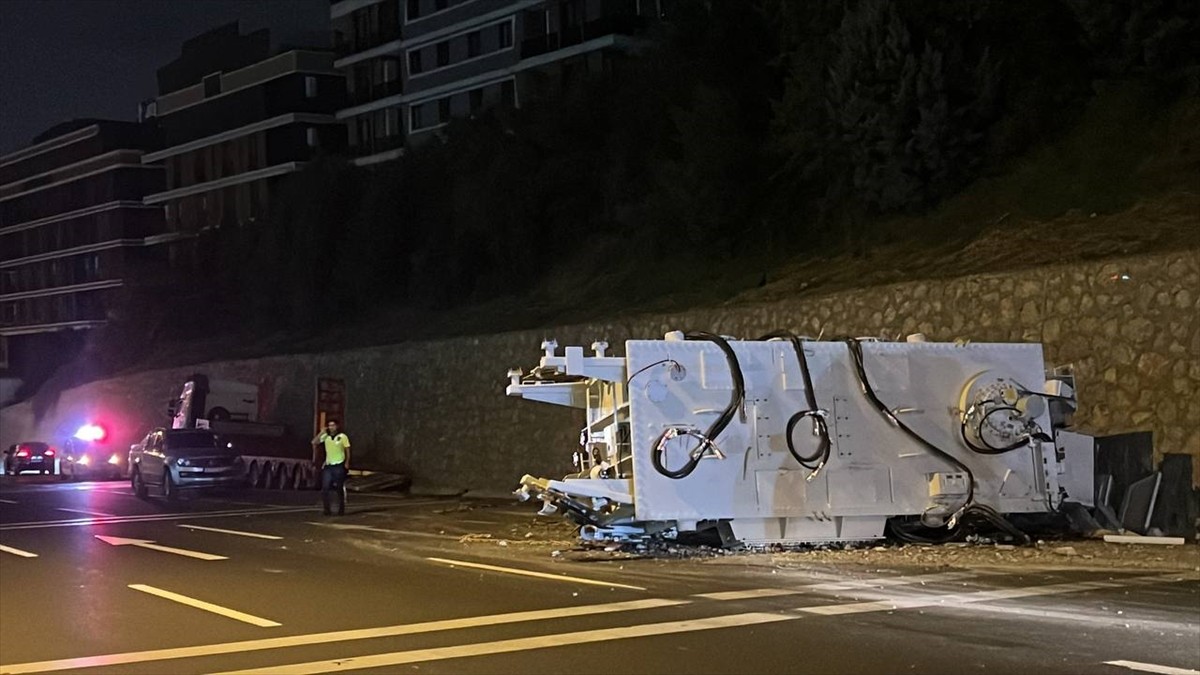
789	440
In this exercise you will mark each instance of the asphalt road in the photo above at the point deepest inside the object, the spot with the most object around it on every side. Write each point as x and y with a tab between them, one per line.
94	580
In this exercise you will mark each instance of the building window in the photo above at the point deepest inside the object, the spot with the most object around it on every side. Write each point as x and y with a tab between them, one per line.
474	44
414	62
310	86
439	5
508	93
413	10
506	36
443	53
391	122
390	70
475	100
310	137
416	117
444	110
212	85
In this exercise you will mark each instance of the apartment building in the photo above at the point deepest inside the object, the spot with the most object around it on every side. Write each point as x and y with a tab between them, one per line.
235	117
72	222
366	39
453	58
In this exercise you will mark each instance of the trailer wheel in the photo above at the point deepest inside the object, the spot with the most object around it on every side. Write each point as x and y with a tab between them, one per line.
254	475
218	415
278	476
298	480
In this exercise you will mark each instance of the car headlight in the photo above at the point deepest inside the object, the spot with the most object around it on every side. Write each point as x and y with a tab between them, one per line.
84	460
183	461
114	460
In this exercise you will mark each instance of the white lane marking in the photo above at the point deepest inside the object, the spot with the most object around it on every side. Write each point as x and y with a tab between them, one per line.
956	599
644	630
1152	668
76	522
539	575
7	501
99	514
17	551
206	606
754	593
518	644
237	532
143	543
383	530
1105	619
336	636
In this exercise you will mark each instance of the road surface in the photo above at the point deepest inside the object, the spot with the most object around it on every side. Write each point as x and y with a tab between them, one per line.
94	580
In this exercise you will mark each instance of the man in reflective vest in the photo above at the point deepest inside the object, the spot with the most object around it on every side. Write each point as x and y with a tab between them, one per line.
337	464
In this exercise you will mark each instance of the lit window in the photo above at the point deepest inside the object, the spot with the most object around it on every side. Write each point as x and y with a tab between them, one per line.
310	86
311	137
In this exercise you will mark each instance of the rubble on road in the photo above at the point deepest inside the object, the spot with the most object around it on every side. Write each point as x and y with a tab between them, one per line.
558	538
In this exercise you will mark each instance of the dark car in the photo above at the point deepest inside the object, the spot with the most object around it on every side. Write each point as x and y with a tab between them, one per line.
174	460
32	456
90	459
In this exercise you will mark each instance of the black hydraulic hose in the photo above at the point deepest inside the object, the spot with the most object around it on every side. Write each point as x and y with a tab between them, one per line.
988	448
821	456
860	369
969	506
736	401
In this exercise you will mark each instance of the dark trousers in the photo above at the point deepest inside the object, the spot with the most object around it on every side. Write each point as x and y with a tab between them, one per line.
333	479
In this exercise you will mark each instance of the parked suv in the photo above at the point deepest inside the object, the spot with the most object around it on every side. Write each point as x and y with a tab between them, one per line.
172	460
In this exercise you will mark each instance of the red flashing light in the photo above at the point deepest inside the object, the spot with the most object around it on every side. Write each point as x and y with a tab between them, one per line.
49	453
22	451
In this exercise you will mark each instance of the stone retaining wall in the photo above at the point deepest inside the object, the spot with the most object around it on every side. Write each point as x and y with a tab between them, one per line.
437	410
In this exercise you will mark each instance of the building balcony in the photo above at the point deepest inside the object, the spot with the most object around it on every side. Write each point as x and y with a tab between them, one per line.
373	146
345	46
609	25
373	92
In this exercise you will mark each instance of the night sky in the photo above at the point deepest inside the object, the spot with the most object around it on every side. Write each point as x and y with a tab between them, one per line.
62	59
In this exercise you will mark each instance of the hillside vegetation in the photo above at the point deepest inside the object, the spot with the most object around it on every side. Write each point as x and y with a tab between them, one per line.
751	151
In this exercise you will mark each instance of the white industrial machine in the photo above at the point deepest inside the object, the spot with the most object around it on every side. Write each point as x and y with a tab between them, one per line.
790	440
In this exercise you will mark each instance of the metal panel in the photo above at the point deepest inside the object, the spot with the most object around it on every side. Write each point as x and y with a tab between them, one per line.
873	469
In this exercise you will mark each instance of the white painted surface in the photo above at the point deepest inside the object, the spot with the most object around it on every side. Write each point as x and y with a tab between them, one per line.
239	533
17	551
538	575
206	606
